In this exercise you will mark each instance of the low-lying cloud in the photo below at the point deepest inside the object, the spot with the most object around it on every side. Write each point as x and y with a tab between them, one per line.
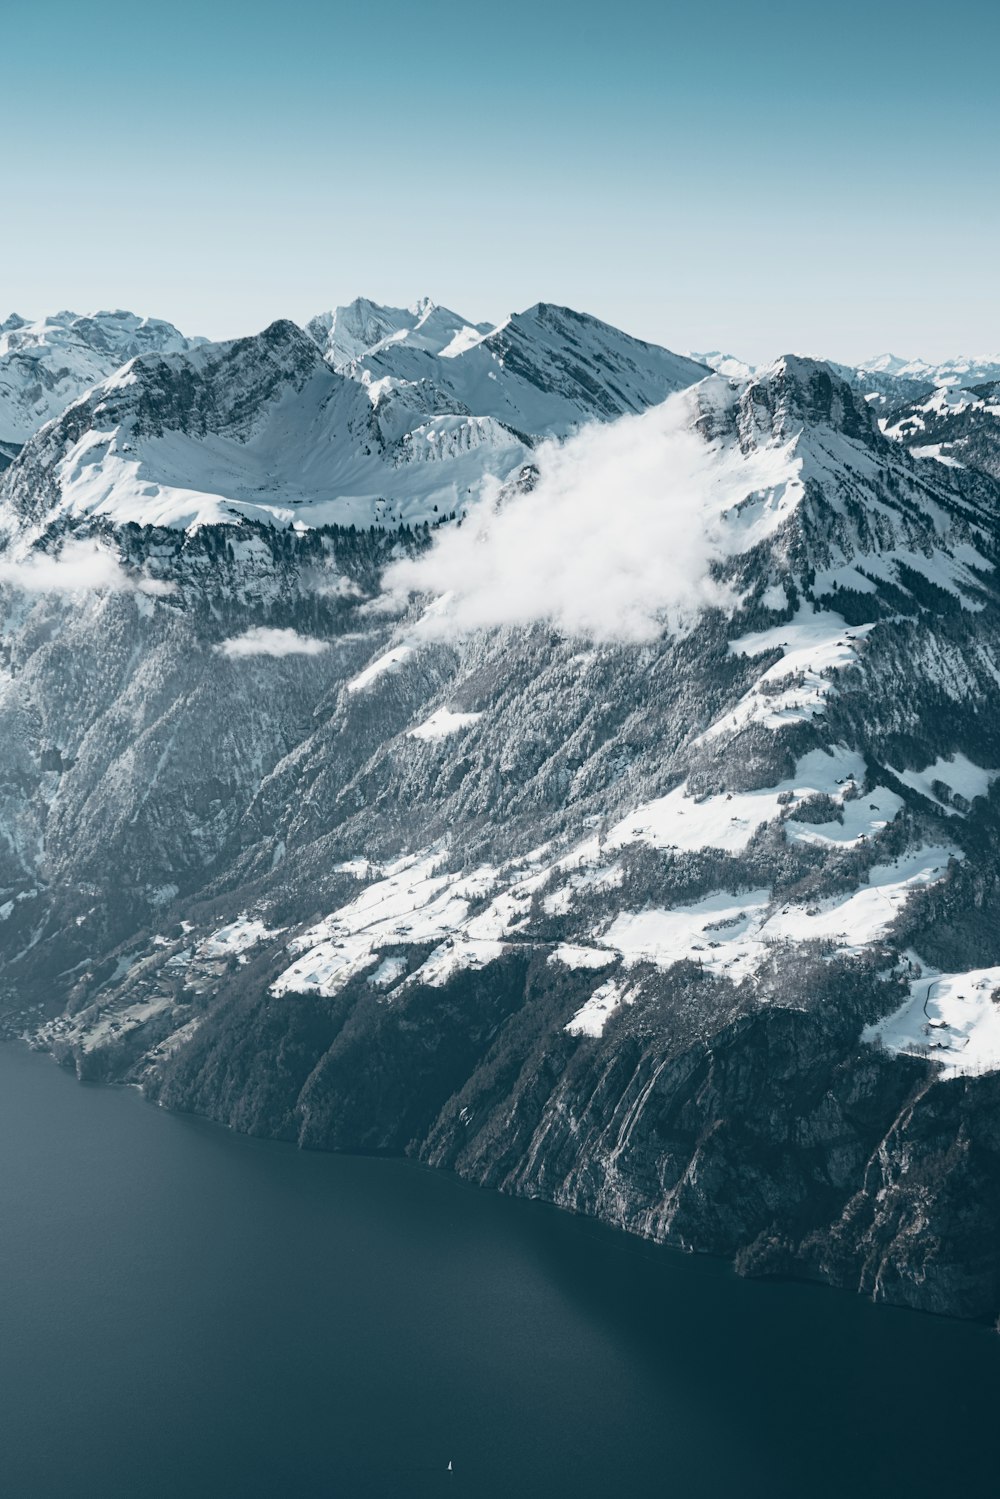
329	584
82	566
614	542
263	641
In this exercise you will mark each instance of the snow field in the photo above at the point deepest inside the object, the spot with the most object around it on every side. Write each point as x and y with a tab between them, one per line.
957	772
954	1018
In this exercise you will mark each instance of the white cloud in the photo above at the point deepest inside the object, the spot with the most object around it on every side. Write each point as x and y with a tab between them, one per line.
81	566
614	542
262	641
330	584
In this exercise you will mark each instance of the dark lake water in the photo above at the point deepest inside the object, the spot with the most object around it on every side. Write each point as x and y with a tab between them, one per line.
184	1312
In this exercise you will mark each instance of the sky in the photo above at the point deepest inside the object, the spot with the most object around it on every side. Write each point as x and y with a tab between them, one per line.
757	177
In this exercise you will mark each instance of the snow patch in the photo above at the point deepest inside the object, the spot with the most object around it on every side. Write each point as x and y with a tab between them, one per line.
863	816
570	955
595	1014
729	821
452	956
814	647
388	973
712	931
390	661
734	934
442	723
961	776
934	450
413	902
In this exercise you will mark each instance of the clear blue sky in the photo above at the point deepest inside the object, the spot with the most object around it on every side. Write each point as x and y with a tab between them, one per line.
749	174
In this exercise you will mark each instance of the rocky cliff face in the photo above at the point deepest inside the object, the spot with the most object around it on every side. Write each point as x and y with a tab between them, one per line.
687	923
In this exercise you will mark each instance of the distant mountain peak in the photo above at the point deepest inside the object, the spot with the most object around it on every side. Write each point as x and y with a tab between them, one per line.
964	369
887	364
549	369
283	334
352	331
48	363
724	364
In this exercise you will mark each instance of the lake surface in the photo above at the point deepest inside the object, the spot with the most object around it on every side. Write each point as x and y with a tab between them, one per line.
185	1312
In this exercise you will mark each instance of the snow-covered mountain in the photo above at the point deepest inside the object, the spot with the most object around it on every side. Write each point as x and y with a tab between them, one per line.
725	364
541	373
267	428
45	365
632	845
350	332
261	427
889	381
948	372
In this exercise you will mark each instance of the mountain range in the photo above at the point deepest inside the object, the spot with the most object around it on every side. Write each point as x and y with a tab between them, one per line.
564	761
46	364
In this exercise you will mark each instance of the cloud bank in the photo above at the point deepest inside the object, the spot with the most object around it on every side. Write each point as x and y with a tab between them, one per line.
262	641
81	566
615	541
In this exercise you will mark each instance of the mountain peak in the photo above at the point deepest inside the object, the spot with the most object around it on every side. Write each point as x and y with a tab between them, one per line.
722	363
798	390
361	327
284	334
47	364
885	364
218	387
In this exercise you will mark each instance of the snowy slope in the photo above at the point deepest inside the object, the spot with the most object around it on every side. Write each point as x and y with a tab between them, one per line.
958	425
45	365
796	477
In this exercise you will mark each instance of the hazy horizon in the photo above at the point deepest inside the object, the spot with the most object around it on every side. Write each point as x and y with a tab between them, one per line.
747	181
